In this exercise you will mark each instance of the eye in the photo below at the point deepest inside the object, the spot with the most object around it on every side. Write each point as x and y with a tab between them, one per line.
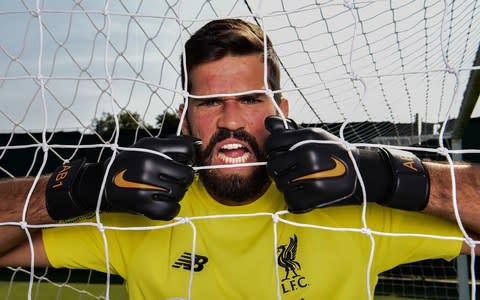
208	102
251	99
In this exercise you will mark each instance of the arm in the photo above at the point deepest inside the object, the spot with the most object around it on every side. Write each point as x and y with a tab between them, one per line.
467	179
14	247
144	183
303	168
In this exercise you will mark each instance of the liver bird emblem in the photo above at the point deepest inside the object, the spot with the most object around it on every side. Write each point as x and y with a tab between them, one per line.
286	257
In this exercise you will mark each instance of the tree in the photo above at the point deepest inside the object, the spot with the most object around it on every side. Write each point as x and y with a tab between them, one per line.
167	122
105	125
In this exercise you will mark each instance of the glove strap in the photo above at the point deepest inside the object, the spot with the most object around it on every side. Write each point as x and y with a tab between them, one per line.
411	183
60	195
394	178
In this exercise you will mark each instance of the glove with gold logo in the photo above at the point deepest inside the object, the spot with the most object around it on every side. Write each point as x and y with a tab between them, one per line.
138	182
313	169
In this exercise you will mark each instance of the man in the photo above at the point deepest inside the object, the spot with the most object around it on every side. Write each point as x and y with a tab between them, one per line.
321	253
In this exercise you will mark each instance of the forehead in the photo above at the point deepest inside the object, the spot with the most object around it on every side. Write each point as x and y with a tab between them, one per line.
230	74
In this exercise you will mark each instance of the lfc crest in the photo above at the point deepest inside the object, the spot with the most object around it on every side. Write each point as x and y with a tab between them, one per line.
287	259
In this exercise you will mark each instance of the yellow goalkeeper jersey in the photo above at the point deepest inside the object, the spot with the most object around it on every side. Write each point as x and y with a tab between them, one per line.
233	254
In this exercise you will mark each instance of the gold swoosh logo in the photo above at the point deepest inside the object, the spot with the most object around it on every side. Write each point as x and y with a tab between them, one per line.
338	170
120	181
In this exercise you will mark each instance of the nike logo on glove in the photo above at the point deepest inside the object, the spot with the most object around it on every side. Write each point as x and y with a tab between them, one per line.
120	181
338	170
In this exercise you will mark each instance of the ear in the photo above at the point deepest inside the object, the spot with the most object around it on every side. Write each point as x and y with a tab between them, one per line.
284	106
185	125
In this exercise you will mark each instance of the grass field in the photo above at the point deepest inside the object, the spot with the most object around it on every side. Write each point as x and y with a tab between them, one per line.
78	288
47	291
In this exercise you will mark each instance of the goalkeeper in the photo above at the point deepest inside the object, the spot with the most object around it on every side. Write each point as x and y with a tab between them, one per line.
309	172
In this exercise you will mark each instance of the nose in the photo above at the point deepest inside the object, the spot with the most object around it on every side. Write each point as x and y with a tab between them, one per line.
231	116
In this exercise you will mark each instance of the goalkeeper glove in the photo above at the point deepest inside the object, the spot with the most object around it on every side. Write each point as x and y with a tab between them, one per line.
320	174
138	182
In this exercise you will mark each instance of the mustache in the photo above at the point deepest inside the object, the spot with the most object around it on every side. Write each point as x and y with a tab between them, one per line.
239	134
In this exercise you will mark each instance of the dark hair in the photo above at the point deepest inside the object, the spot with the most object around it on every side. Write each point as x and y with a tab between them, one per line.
223	37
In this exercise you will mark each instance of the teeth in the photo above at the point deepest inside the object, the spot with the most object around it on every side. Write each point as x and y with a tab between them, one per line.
232	146
234	160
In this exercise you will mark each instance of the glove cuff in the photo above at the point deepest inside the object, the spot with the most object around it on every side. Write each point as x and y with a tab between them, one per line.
394	178
376	175
411	183
61	201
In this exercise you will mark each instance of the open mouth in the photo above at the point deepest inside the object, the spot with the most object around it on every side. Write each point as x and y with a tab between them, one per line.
234	153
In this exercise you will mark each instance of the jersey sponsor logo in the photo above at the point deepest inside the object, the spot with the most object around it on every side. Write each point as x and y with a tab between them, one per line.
338	170
120	181
185	262
286	258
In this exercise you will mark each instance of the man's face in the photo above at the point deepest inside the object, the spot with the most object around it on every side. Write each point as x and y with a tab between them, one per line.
231	128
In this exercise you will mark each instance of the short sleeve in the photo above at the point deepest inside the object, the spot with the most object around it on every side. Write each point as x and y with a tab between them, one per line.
82	245
405	237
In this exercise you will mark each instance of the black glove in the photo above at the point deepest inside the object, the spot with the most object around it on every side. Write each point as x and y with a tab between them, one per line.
138	182
321	174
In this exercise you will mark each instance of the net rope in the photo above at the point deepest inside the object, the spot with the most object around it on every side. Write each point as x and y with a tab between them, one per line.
347	73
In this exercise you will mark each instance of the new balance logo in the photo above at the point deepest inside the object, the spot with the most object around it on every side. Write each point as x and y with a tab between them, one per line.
185	262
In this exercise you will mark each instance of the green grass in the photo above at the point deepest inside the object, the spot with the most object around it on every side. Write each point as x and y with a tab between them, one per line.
391	298
48	291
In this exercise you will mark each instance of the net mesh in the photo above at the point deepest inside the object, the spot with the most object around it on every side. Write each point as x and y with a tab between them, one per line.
85	78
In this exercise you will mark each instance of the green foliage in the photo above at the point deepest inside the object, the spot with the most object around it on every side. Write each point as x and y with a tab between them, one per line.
105	125
167	122
126	119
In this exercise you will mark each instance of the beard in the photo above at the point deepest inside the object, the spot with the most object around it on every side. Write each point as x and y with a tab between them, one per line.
234	187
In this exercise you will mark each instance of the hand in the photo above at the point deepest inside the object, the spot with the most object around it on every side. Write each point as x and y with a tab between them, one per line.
319	171
137	182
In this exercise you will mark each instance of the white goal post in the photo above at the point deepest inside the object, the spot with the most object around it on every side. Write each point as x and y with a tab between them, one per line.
86	77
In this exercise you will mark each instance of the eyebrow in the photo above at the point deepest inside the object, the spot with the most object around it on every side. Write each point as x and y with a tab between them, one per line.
239	97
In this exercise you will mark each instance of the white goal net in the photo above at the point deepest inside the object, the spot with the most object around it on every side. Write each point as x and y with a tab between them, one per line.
79	78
